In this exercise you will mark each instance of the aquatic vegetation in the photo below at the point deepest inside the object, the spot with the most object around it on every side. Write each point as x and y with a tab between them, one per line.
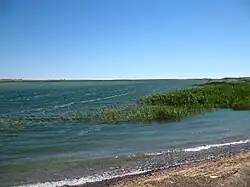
210	95
165	106
144	113
109	115
242	105
185	102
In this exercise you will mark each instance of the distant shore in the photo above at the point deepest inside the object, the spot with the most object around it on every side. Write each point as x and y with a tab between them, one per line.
117	79
31	80
228	170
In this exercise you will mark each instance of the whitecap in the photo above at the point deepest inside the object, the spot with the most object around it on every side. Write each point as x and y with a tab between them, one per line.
90	100
83	180
105	98
64	105
204	147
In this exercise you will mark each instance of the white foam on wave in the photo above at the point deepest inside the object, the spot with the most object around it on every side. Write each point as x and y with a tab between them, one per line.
199	148
80	181
29	110
154	154
204	147
158	153
91	100
40	95
105	98
65	105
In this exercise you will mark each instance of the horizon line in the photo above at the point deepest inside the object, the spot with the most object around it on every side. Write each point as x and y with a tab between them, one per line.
110	79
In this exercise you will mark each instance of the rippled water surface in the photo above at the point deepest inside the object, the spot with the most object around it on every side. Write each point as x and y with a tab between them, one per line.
73	153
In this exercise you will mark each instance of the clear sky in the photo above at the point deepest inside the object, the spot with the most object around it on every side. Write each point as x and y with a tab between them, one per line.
106	39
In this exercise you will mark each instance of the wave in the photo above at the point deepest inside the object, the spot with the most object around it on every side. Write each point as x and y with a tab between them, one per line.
82	180
91	93
91	100
30	97
111	175
27	111
88	131
199	148
40	95
104	98
51	108
158	153
204	147
64	105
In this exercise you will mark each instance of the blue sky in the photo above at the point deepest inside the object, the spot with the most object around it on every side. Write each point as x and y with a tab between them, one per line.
97	39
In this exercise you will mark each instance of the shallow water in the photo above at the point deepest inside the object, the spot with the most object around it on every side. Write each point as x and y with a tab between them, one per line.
49	152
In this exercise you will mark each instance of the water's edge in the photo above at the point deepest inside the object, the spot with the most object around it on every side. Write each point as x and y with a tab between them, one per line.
185	157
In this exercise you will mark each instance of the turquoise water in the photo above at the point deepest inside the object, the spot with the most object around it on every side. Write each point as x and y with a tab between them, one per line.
74	153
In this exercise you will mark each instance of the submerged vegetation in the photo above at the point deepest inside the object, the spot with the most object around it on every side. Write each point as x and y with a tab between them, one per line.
159	107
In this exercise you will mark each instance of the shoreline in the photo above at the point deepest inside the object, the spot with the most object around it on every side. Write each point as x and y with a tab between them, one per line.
232	169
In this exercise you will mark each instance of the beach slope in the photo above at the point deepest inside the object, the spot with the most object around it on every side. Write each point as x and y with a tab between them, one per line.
221	171
230	170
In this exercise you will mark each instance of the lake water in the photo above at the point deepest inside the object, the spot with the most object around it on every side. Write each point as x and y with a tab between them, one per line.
52	154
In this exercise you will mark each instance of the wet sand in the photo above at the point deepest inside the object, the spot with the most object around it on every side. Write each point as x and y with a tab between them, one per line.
229	170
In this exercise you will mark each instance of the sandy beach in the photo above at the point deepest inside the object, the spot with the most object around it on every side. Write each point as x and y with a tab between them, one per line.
228	170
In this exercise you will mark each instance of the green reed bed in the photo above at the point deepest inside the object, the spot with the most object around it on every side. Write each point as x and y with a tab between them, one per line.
166	106
110	115
210	95
185	102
